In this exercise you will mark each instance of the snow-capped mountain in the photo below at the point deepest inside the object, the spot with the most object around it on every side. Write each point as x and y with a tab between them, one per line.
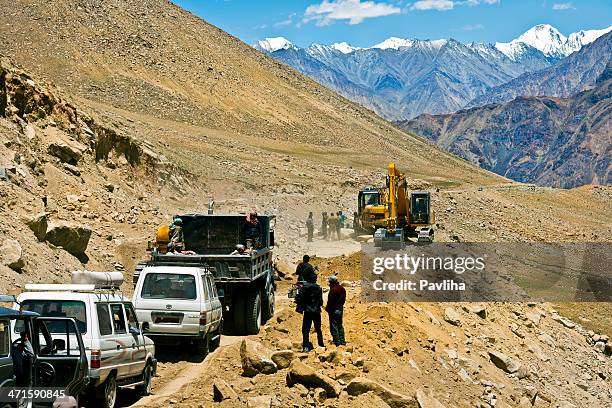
401	78
273	44
344	48
548	40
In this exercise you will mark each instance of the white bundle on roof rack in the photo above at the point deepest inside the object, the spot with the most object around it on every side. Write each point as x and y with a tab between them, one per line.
99	279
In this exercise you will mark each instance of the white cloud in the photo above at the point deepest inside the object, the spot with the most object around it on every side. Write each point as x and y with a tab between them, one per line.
477	2
473	27
355	11
563	6
443	5
285	22
440	5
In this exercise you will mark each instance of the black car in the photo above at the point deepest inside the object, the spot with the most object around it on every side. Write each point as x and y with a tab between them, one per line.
57	368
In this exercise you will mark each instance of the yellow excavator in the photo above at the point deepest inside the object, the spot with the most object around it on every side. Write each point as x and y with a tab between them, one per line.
394	214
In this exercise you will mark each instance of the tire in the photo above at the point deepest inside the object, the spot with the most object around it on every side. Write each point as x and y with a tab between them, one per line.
107	393
203	345
269	305
253	313
147	374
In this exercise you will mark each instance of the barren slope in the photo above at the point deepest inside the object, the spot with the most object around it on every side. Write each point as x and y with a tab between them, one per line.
157	63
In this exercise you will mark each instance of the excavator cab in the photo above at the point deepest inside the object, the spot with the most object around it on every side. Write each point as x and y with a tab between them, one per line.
420	213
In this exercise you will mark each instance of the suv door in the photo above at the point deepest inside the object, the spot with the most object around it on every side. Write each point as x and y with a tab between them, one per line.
122	339
6	362
60	360
216	307
139	352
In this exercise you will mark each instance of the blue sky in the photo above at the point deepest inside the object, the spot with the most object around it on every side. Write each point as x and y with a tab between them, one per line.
364	23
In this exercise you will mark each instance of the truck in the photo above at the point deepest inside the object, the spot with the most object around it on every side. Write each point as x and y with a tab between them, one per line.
244	279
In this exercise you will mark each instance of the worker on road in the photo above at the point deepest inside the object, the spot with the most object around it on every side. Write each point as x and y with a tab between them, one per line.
335	310
310	226
332	223
324	222
309	301
339	224
177	240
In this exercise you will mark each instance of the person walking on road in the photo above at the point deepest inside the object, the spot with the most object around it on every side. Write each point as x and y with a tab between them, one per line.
310	226
339	225
324	224
309	301
332	224
335	310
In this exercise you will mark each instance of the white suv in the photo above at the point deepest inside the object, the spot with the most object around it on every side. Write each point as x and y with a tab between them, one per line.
179	303
119	354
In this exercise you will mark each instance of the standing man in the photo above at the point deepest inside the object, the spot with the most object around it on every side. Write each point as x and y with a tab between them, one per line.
332	223
309	301
339	225
335	310
310	226
324	224
305	269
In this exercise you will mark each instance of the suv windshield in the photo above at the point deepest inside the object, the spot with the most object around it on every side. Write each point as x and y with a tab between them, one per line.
56	308
169	286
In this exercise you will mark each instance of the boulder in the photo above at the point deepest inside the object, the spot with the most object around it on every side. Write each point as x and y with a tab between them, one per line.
331	356
284	268
67	151
533	317
361	385
320	395
222	391
283	358
452	316
300	373
38	224
262	401
73	238
504	362
427	401
285	344
255	359
11	255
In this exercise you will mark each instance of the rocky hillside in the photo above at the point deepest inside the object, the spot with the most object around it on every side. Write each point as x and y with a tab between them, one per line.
571	75
166	69
544	140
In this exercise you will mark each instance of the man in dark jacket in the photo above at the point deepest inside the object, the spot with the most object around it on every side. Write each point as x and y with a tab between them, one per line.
335	309
305	269
310	226
309	300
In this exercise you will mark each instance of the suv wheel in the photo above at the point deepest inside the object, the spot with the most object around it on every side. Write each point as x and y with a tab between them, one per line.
203	345
107	396
253	313
145	388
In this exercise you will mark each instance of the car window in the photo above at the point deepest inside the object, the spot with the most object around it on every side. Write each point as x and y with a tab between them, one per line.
56	308
132	320
5	337
104	320
169	286
214	288
118	318
205	288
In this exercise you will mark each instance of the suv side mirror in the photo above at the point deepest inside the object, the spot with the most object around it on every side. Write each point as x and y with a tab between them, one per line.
59	345
271	243
144	327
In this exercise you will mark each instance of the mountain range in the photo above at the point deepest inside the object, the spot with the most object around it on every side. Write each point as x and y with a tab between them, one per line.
541	139
402	78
